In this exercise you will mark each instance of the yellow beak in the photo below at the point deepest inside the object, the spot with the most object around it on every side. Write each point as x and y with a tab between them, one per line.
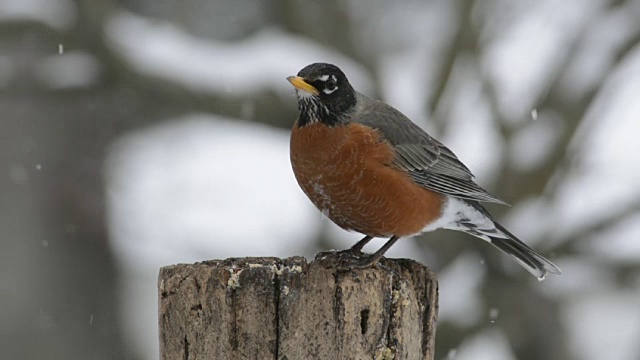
300	84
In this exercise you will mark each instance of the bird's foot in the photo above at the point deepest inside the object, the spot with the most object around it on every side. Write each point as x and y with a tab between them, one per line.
364	262
342	254
346	260
325	254
350	260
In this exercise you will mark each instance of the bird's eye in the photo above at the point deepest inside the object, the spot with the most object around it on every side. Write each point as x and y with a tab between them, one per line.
330	84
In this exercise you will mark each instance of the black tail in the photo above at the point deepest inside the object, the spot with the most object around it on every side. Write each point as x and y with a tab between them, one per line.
535	263
523	254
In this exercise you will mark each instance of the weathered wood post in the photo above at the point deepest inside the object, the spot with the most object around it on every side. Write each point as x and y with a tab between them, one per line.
270	308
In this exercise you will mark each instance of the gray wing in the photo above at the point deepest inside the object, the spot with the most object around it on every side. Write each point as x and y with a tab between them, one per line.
428	162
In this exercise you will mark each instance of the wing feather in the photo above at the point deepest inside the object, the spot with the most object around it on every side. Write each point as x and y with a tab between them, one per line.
428	162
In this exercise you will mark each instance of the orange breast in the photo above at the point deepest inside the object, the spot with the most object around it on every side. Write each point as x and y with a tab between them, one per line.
347	173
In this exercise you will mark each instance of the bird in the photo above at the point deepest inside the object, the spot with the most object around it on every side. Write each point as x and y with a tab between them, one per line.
371	170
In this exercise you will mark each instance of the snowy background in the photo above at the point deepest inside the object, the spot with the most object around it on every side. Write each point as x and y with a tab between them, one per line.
137	134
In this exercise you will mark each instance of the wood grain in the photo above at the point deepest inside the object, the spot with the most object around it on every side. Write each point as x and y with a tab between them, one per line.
271	308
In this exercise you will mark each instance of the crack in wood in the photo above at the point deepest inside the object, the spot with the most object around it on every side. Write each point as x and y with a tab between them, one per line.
286	309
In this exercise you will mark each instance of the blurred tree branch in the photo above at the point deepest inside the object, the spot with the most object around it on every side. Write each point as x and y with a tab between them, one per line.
523	184
463	40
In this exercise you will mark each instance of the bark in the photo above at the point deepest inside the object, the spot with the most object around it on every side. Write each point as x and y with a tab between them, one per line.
270	308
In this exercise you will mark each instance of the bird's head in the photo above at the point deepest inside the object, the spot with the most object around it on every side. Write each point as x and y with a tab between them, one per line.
324	94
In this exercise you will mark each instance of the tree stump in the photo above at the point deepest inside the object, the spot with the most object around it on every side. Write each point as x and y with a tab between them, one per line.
271	308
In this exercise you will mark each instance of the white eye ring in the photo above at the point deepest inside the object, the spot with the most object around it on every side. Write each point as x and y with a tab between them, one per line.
333	79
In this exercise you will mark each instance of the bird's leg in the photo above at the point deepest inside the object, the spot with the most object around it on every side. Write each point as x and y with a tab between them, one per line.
353	252
367	261
357	247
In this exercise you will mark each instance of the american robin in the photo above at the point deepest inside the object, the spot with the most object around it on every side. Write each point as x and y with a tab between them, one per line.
368	168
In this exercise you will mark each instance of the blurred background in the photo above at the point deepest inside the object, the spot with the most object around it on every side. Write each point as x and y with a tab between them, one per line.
138	133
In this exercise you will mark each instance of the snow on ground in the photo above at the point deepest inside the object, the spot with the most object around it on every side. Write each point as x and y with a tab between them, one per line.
260	62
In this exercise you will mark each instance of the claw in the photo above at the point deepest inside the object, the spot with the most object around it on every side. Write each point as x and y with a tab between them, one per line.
350	261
